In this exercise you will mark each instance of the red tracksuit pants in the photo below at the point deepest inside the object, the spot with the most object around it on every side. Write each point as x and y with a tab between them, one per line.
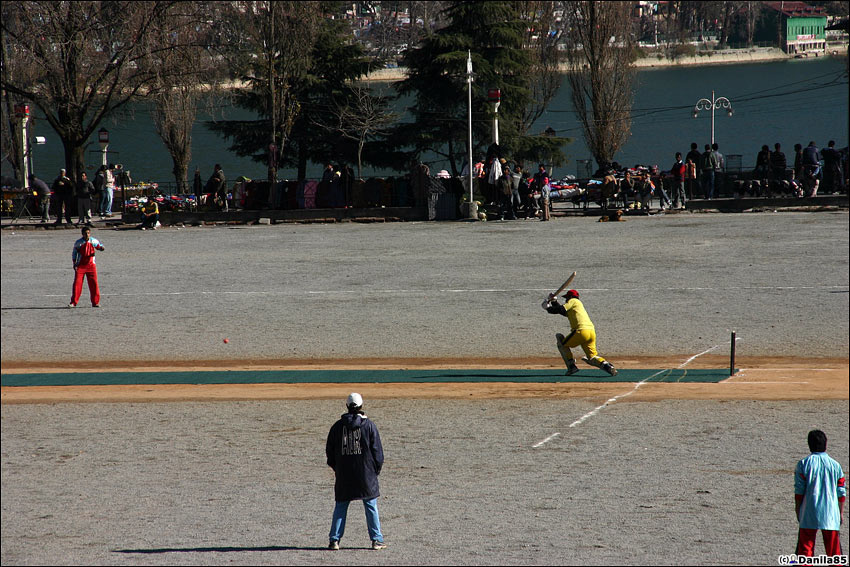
90	273
807	537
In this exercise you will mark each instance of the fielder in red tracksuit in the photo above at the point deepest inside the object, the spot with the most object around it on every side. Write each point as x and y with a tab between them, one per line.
84	266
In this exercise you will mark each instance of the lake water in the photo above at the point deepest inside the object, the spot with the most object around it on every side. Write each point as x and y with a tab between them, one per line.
788	102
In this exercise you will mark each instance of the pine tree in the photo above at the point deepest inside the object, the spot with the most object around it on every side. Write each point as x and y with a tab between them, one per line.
495	35
333	62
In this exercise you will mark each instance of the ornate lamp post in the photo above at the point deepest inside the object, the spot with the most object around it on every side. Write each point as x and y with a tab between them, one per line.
705	104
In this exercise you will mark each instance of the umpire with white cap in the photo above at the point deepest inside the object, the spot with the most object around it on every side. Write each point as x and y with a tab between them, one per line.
355	454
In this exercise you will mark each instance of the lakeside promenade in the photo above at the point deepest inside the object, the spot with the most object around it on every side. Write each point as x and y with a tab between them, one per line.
722	57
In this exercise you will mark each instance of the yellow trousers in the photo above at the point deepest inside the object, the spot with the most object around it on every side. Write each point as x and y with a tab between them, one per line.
586	339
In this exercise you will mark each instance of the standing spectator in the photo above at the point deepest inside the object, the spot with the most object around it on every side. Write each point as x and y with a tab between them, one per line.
819	494
63	193
719	168
833	177
328	173
694	172
326	187
347	180
678	171
197	184
778	163
762	163
108	191
355	454
656	181
84	266
538	183
217	185
811	159
42	191
99	183
798	161
505	185
708	161
516	181
84	191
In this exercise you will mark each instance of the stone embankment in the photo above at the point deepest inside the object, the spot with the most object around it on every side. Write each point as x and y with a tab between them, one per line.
728	56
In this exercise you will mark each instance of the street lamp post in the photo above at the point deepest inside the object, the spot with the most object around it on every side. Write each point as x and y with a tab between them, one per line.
714	103
494	96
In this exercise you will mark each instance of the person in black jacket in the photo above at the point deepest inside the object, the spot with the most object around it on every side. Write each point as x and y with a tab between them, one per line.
84	191
355	453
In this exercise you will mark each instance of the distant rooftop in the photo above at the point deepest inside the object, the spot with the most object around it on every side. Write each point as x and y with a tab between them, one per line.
797	9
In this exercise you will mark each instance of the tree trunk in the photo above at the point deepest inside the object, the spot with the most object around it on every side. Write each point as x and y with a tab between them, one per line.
302	161
181	172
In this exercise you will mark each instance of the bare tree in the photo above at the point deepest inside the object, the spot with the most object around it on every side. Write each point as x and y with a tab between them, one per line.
363	116
754	11
78	62
278	38
9	135
542	48
176	98
601	76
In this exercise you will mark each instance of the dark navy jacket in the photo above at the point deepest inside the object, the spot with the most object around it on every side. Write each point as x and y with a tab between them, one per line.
355	454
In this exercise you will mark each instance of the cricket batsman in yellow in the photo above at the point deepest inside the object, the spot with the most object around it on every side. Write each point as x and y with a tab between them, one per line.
582	333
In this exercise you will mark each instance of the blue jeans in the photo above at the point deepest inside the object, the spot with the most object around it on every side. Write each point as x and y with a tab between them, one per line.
372	520
106	201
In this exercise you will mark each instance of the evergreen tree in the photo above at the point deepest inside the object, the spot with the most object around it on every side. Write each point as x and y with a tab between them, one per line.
333	62
495	34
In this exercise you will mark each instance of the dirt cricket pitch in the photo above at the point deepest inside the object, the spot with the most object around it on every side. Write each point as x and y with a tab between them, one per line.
475	474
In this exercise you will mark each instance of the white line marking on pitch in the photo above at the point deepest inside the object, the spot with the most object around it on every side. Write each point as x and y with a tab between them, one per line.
596	410
469	290
546	440
768	382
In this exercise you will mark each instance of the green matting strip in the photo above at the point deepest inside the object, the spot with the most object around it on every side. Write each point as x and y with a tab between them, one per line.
357	376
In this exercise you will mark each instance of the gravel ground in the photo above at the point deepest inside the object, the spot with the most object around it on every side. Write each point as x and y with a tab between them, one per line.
660	285
671	483
202	483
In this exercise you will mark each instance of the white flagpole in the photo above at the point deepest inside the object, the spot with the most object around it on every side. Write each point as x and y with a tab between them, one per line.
469	89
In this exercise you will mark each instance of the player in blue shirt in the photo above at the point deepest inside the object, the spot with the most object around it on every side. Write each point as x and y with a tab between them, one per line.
819	495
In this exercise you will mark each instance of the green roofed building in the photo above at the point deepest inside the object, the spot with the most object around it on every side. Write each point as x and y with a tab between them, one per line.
800	28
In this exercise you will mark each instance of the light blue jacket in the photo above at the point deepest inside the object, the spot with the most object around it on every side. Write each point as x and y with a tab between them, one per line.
75	254
820	481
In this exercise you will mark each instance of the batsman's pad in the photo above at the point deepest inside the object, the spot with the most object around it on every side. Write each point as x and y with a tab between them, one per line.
566	354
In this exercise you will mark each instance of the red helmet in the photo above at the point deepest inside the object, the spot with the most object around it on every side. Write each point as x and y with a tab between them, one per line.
571	294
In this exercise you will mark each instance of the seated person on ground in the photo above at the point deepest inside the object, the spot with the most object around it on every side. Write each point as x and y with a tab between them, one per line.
150	215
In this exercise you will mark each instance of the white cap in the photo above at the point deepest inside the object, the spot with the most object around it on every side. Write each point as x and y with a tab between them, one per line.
354	400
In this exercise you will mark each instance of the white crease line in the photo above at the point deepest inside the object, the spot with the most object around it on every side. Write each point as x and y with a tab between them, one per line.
596	410
766	382
791	369
546	440
447	290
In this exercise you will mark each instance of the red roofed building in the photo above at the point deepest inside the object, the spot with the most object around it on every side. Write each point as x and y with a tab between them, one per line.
801	28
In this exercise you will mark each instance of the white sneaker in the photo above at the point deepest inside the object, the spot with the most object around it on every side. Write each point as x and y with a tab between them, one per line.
378	544
334	545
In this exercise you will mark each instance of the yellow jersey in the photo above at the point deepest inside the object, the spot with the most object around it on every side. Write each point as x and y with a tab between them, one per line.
578	317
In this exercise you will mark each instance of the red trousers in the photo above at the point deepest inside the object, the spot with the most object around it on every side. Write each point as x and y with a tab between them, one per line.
806	542
90	273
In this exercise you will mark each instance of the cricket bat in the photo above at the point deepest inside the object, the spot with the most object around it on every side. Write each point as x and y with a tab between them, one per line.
566	284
